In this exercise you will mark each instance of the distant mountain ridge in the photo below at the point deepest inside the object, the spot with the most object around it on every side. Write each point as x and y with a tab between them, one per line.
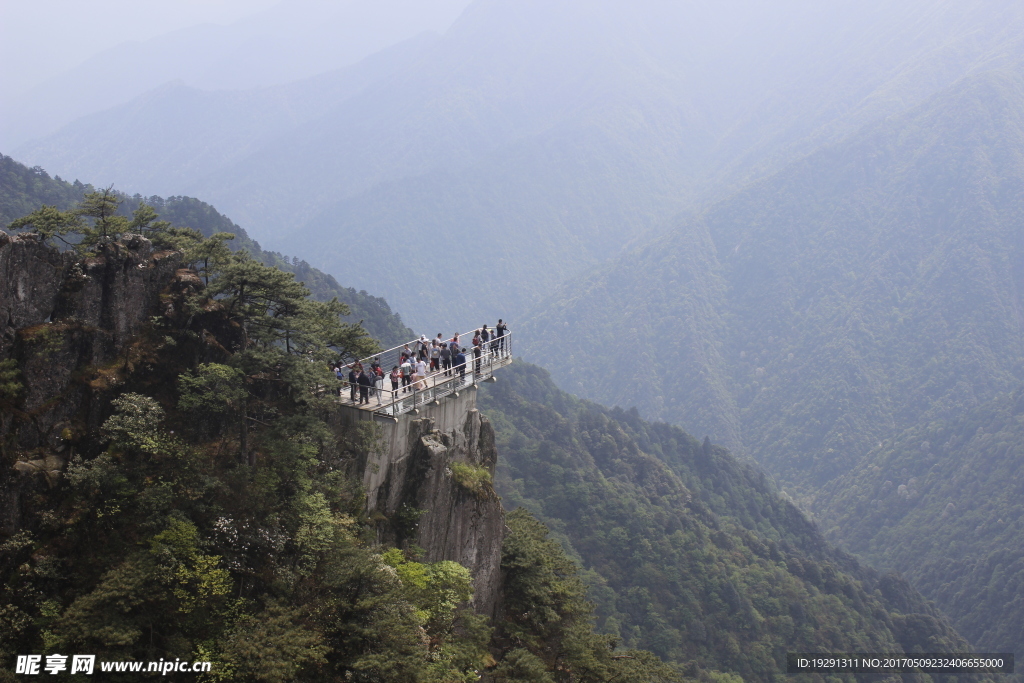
553	133
23	190
288	41
687	551
867	293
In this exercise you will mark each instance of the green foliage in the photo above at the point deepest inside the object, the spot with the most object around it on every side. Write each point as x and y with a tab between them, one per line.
145	221
942	504
543	593
171	536
196	579
48	222
10	386
522	666
135	424
95	219
273	646
24	190
101	207
437	588
274	311
547	616
809	320
685	551
212	388
476	480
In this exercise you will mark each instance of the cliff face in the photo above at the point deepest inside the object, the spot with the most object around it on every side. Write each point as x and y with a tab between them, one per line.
66	322
70	325
430	486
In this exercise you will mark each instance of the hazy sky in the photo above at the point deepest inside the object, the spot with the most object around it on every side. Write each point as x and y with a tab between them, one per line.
42	38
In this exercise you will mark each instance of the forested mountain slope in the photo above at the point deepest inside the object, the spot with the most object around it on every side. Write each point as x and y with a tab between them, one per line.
942	503
23	190
871	288
686	551
534	138
177	485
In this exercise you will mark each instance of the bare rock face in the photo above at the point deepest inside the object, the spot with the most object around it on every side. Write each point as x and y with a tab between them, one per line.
67	322
464	521
435	492
31	276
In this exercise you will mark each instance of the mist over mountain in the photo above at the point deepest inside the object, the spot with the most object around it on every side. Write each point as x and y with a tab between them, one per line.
533	139
859	295
792	226
686	551
23	190
941	503
291	40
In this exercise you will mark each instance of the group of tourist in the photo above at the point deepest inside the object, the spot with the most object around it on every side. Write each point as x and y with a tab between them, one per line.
415	365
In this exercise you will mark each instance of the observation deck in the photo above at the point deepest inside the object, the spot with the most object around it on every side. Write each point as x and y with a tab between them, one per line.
387	404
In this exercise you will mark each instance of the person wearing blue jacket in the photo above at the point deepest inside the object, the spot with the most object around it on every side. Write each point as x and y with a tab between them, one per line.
460	363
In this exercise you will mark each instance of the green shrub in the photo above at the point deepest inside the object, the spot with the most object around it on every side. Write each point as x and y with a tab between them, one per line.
476	480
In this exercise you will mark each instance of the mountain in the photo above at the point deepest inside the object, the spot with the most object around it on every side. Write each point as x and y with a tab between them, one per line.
941	503
685	550
289	41
533	139
23	190
862	295
148	514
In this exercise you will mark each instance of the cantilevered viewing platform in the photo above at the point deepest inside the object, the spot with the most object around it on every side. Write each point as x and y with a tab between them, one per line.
438	386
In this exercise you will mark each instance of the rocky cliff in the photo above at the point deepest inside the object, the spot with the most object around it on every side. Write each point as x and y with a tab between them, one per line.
72	326
66	322
429	487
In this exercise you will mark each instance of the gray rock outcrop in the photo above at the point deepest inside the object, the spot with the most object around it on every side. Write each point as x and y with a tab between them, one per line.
67	321
428	489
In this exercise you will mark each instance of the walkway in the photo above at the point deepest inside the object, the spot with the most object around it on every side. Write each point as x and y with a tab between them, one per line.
436	386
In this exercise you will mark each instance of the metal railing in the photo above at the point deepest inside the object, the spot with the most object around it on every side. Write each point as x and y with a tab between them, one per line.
438	384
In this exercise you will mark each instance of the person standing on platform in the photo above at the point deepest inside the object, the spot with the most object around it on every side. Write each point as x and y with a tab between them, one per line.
396	377
365	382
378	382
485	335
421	372
477	350
353	380
446	359
406	374
435	356
501	329
415	375
376	374
460	363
